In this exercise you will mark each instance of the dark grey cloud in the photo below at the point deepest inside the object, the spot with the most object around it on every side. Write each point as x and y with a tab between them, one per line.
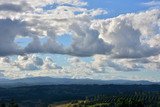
9	29
17	8
87	42
121	67
141	60
11	7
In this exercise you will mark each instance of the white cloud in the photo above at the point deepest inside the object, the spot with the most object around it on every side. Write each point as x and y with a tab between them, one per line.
129	42
5	60
95	66
1	74
100	68
49	64
50	23
29	63
129	33
152	3
96	12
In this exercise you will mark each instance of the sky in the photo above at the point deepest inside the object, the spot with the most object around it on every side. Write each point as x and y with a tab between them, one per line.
79	39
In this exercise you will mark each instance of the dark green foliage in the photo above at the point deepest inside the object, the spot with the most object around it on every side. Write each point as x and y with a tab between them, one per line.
98	95
128	103
2	105
136	99
13	104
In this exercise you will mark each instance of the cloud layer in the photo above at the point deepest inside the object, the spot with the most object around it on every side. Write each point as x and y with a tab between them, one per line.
29	19
128	42
125	36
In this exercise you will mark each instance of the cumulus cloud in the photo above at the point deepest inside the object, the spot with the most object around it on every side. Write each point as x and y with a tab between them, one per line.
135	42
23	19
129	34
101	67
128	42
49	64
95	66
30	63
8	31
107	37
5	60
87	42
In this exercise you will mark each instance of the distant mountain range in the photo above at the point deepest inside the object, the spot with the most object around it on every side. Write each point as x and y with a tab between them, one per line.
66	81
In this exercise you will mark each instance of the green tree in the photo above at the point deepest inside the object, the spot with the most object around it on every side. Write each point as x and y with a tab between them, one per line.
13	104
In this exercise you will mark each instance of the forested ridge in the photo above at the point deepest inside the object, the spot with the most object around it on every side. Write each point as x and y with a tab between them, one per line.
82	95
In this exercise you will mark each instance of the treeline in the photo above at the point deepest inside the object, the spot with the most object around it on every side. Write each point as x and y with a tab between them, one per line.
11	103
58	93
138	99
108	95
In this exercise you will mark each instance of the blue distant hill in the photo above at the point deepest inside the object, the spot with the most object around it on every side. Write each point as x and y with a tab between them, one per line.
66	81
